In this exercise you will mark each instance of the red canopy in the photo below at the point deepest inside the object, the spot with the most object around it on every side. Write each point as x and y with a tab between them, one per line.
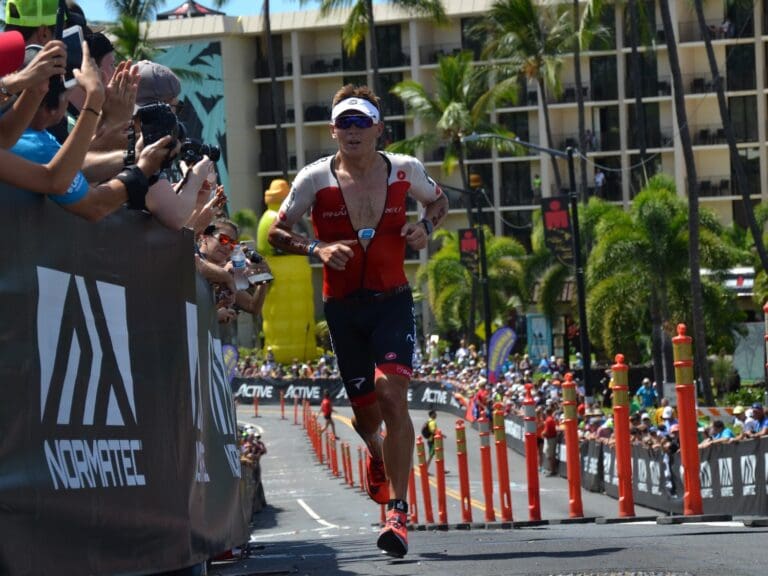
187	10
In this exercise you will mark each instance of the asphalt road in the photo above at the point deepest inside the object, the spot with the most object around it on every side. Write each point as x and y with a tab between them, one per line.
315	524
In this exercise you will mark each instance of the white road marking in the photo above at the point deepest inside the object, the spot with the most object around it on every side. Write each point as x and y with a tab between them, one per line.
314	515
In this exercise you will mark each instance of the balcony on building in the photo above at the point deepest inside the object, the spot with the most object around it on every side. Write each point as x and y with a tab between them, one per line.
317	112
431	53
283	67
333	63
568	94
265	115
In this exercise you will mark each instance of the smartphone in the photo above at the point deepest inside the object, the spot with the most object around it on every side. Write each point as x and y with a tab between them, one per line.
73	40
260	278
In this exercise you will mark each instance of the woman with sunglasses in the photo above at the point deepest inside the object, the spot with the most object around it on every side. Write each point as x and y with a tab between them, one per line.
358	201
213	261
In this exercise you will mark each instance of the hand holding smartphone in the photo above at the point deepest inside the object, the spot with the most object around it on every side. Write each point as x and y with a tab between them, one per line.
73	40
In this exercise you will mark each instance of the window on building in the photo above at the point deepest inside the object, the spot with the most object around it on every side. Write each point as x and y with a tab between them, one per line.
515	122
610	189
389	46
609	128
518	224
268	159
606	41
641	173
470	41
750	159
743	110
391	104
740	62
517	185
602	74
265	113
647	30
262	66
740	14
652	130
355	61
648	75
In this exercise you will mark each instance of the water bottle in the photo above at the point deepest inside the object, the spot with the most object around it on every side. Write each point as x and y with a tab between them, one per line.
238	268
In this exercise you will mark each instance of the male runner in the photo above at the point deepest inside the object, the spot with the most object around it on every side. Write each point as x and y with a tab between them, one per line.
358	197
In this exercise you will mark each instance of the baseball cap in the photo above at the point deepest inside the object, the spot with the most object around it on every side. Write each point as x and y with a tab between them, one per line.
358	105
757	406
31	13
157	83
738	410
667	412
11	52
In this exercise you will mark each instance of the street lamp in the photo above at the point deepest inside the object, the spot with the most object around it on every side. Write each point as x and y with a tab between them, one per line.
476	184
576	243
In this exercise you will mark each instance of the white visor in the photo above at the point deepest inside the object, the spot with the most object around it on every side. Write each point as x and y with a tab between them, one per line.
358	105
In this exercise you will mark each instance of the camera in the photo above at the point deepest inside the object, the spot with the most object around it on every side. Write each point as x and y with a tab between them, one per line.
157	121
192	151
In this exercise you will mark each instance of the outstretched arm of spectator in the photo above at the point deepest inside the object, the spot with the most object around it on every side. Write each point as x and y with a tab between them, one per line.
171	209
118	107
56	176
105	198
32	82
204	214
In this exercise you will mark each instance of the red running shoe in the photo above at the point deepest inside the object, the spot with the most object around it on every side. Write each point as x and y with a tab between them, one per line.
376	483
393	538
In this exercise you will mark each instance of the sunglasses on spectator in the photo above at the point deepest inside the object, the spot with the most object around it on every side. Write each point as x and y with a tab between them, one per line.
225	240
346	122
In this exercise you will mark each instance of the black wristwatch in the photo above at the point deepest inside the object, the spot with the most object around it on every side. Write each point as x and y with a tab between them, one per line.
428	226
136	185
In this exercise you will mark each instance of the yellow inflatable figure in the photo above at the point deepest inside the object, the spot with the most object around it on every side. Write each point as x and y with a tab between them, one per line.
289	310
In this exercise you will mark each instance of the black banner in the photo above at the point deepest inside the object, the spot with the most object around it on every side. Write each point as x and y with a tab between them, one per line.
117	430
558	235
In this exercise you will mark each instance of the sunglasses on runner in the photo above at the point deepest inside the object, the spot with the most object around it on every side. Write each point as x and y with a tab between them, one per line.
346	122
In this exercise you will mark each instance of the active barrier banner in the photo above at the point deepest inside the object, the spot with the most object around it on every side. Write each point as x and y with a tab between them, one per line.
733	476
117	432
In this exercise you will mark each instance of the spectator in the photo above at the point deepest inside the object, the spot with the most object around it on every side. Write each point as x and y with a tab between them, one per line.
718	434
647	394
550	441
212	260
599	182
757	425
39	146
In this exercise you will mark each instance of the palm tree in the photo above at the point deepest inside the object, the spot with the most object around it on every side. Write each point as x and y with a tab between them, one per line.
282	150
360	23
700	344
533	38
725	117
449	282
639	272
458	106
131	42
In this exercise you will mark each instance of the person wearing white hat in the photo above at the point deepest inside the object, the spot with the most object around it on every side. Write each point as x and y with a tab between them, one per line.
357	197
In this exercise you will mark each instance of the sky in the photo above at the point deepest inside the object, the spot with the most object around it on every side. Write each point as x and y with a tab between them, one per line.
100	11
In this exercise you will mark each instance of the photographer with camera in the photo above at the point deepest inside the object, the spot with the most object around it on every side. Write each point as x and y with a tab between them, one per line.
37	145
214	261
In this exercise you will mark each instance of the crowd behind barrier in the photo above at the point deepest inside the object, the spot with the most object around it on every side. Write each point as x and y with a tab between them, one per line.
733	475
119	449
